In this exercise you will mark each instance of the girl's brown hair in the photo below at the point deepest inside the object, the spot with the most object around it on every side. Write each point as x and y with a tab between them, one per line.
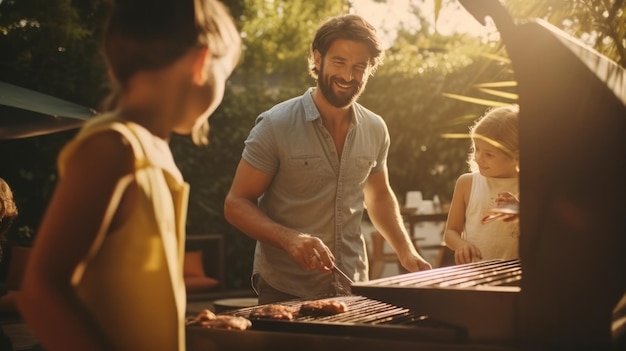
146	35
151	34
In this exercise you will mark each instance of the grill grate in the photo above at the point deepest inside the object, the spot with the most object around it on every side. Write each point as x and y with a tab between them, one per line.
364	317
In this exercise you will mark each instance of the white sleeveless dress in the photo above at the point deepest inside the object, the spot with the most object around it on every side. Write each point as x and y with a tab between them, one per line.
497	239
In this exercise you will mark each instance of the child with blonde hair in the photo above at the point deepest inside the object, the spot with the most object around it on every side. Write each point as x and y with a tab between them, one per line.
493	180
8	212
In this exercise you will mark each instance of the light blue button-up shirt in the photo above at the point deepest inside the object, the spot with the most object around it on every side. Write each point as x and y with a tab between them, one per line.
313	190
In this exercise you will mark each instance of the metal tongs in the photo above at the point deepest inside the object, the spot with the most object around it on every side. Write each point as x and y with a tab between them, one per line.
347	286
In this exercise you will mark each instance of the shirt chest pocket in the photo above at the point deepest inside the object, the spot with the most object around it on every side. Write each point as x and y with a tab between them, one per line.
304	175
361	169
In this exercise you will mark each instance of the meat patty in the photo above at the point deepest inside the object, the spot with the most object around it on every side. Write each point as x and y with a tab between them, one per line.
208	319
323	307
272	311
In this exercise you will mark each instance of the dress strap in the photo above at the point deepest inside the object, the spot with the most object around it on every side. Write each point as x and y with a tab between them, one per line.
121	186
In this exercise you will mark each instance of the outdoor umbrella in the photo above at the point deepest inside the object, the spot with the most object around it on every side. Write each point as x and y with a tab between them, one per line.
27	113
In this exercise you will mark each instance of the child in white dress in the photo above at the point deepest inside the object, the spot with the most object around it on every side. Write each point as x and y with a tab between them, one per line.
493	180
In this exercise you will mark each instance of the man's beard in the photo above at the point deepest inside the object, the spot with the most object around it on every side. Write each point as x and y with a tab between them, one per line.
338	100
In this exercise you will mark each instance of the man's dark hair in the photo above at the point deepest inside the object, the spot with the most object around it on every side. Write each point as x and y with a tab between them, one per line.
348	27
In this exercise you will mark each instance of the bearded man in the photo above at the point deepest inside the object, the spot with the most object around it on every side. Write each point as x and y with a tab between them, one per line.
310	167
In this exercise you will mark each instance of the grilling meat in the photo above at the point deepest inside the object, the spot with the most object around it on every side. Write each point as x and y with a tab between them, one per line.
272	311
322	308
208	319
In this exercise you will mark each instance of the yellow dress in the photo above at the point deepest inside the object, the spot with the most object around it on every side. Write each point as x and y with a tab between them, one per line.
132	281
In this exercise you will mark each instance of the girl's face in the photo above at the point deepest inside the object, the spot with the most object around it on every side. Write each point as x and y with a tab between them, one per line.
493	162
217	72
207	97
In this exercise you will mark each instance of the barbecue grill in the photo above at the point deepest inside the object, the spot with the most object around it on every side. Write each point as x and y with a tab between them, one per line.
478	297
367	324
572	241
364	318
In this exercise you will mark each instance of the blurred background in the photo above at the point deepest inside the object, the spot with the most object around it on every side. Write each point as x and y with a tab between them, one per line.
442	70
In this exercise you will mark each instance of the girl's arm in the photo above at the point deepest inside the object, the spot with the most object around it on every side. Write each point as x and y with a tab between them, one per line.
464	251
69	229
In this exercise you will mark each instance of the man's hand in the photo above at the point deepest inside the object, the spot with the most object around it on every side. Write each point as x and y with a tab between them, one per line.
310	252
415	263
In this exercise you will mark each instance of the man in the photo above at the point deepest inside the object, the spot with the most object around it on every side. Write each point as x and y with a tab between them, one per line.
309	168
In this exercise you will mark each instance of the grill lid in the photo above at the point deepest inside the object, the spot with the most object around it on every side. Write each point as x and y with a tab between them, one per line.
479	297
479	275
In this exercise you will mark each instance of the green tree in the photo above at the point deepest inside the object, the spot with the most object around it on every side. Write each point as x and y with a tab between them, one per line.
420	67
600	24
50	46
53	46
276	37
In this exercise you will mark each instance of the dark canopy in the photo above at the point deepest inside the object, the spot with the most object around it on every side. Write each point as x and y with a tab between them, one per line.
26	113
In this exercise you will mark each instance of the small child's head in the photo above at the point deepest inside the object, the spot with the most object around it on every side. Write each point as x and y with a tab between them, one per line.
495	142
8	210
150	35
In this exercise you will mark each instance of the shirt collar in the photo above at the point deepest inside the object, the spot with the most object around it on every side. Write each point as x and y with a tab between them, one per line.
312	113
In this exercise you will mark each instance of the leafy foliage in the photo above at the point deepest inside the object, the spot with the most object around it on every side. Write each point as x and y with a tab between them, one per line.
419	69
30	169
600	24
209	171
53	46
